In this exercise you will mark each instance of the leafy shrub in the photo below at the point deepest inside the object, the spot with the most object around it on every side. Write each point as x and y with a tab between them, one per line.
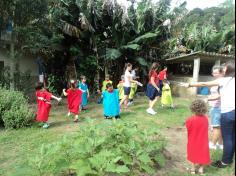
101	150
14	109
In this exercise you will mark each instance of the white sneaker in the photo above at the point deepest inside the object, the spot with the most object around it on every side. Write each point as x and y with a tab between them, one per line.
212	146
150	111
129	104
220	146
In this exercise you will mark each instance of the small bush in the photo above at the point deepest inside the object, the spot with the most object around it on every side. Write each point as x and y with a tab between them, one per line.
14	109
103	150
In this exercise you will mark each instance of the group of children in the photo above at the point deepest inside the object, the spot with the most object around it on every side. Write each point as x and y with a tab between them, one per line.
112	99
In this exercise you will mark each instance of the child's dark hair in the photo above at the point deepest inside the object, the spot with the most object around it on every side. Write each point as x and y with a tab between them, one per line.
165	81
82	77
108	85
39	86
198	107
127	65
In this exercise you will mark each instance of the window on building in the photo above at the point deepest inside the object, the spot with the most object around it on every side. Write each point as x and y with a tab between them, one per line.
1	65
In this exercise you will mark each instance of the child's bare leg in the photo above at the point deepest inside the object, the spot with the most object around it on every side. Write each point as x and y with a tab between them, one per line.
151	105
125	101
193	168
201	169
76	118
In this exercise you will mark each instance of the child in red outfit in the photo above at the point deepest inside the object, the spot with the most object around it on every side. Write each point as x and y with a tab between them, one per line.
74	99
44	103
197	127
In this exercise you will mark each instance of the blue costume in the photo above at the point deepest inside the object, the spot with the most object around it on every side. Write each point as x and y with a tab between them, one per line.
111	103
84	88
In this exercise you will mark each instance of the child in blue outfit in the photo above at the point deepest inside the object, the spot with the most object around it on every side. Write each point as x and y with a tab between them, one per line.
83	86
111	102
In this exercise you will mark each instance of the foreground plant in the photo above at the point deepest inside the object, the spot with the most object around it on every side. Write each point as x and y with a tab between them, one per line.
103	149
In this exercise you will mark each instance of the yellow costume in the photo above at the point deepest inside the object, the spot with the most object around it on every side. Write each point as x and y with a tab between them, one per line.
133	89
166	98
121	89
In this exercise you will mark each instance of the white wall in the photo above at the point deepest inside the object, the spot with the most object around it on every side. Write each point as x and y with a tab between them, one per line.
25	63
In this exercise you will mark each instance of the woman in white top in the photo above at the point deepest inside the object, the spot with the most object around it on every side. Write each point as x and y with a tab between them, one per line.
127	84
227	95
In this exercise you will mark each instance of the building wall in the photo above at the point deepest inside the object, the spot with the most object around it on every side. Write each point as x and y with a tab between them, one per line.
181	91
25	63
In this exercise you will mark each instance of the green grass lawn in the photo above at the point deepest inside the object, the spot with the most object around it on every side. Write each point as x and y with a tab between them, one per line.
17	145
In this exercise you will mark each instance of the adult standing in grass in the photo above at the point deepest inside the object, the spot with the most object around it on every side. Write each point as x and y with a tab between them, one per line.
227	95
44	103
153	91
127	84
214	103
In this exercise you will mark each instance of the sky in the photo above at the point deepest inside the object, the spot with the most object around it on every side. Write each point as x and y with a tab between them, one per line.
191	4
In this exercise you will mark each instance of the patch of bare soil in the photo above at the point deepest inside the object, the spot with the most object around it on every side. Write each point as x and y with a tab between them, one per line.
175	150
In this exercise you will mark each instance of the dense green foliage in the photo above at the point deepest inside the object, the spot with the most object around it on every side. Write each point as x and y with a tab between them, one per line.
96	35
103	149
14	109
211	30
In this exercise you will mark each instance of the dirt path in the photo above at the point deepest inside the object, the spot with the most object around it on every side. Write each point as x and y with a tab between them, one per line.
176	150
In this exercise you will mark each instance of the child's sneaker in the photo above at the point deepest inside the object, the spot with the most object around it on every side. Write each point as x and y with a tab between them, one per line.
45	126
76	120
130	103
151	111
212	146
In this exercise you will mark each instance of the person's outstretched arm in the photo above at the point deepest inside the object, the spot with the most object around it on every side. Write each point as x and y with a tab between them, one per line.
56	98
64	92
203	84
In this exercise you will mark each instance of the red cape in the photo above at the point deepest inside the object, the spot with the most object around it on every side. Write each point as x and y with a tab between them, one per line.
74	100
43	106
198	144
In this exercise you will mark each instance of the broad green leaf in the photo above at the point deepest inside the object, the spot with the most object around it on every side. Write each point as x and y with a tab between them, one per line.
112	54
141	61
144	37
144	158
132	46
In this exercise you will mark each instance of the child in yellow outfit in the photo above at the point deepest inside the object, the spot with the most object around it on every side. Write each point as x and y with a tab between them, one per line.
120	87
133	90
105	82
104	87
166	98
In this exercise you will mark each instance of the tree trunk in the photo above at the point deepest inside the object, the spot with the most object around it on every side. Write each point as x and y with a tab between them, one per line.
71	72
